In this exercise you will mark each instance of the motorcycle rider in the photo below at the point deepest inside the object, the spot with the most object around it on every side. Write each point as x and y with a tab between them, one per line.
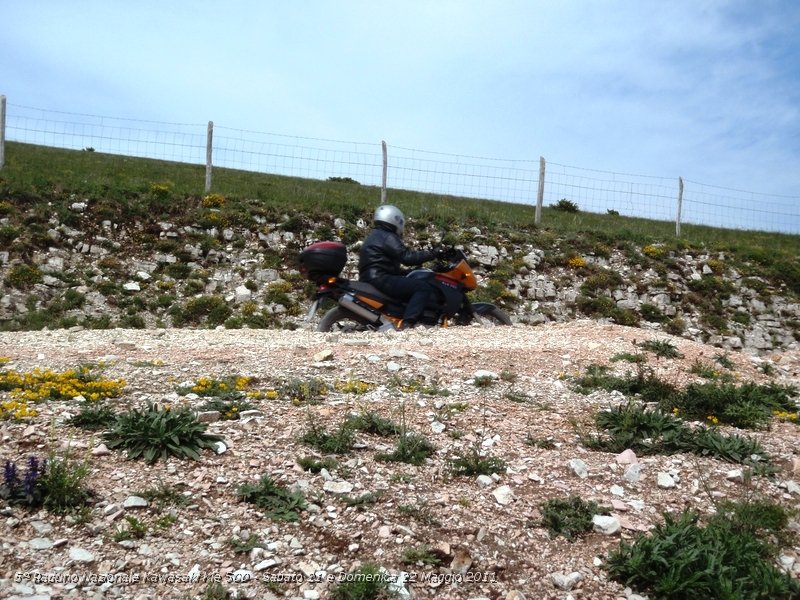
380	260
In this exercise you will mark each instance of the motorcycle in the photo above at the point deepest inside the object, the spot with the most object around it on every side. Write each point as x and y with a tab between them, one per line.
361	306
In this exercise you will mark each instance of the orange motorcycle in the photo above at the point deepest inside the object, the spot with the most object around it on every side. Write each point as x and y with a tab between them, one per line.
362	307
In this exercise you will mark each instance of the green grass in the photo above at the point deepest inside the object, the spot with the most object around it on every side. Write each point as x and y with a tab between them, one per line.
115	183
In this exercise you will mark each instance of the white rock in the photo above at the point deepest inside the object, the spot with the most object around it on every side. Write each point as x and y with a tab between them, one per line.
338	487
437	427
617	491
81	555
627	457
566	582
131	286
40	543
484	481
606	525
665	481
392	366
503	495
135	502
633	473
578	467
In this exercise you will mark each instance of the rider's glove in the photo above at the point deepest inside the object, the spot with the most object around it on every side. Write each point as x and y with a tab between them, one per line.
442	252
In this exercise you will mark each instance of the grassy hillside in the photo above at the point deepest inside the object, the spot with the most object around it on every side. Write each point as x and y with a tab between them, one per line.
102	213
124	185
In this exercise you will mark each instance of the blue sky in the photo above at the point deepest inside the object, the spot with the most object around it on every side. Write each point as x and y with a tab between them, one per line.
704	89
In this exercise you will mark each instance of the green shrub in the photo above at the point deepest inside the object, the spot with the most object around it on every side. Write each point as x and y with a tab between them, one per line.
277	502
565	205
21	276
651	313
56	483
337	442
159	432
661	348
93	416
473	463
681	559
411	448
570	517
366	583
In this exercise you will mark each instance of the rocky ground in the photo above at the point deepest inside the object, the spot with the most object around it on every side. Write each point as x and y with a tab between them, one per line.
485	532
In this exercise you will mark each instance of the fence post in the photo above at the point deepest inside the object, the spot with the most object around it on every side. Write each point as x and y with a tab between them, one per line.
680	207
2	131
209	146
385	170
540	195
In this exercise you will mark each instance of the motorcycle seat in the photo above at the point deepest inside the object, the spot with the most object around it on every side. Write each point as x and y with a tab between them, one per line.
363	287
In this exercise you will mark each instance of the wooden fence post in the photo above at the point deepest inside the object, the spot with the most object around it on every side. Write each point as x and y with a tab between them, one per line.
209	146
680	207
2	131
385	170
540	194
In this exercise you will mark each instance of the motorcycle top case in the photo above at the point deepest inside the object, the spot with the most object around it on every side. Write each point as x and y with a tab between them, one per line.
322	260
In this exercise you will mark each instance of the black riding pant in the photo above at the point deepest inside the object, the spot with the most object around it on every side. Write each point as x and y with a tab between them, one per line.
416	292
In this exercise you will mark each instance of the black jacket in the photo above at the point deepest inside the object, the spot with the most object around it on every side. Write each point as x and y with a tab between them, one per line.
383	252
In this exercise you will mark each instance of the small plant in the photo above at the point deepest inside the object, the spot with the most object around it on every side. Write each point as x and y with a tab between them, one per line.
564	205
704	370
654	251
652	313
729	557
27	490
164	495
369	582
277	502
135	530
421	556
57	483
214	201
373	423
240	546
93	416
508	376
411	448
362	500
229	408
159	432
22	276
353	386
661	348
483	381
419	512
337	442
570	517
473	462
309	391
544	443
576	262
315	465
629	357
724	361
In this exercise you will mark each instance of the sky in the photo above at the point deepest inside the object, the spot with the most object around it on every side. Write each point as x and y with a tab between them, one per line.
704	89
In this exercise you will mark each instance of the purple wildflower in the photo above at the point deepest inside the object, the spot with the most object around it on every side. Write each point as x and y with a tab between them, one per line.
10	478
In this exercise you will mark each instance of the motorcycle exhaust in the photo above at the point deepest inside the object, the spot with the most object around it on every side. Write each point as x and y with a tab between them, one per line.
348	301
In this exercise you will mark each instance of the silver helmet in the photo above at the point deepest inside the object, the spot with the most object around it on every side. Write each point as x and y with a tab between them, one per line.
390	215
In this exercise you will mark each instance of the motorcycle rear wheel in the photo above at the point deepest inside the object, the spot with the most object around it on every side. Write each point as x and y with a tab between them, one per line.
339	319
491	314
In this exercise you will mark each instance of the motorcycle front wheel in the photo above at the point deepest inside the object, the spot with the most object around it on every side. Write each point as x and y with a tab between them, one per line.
339	319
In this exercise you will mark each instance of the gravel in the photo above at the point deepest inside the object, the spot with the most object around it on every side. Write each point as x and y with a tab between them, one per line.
507	386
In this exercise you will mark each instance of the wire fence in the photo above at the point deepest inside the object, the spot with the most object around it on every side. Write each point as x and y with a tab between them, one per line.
518	181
